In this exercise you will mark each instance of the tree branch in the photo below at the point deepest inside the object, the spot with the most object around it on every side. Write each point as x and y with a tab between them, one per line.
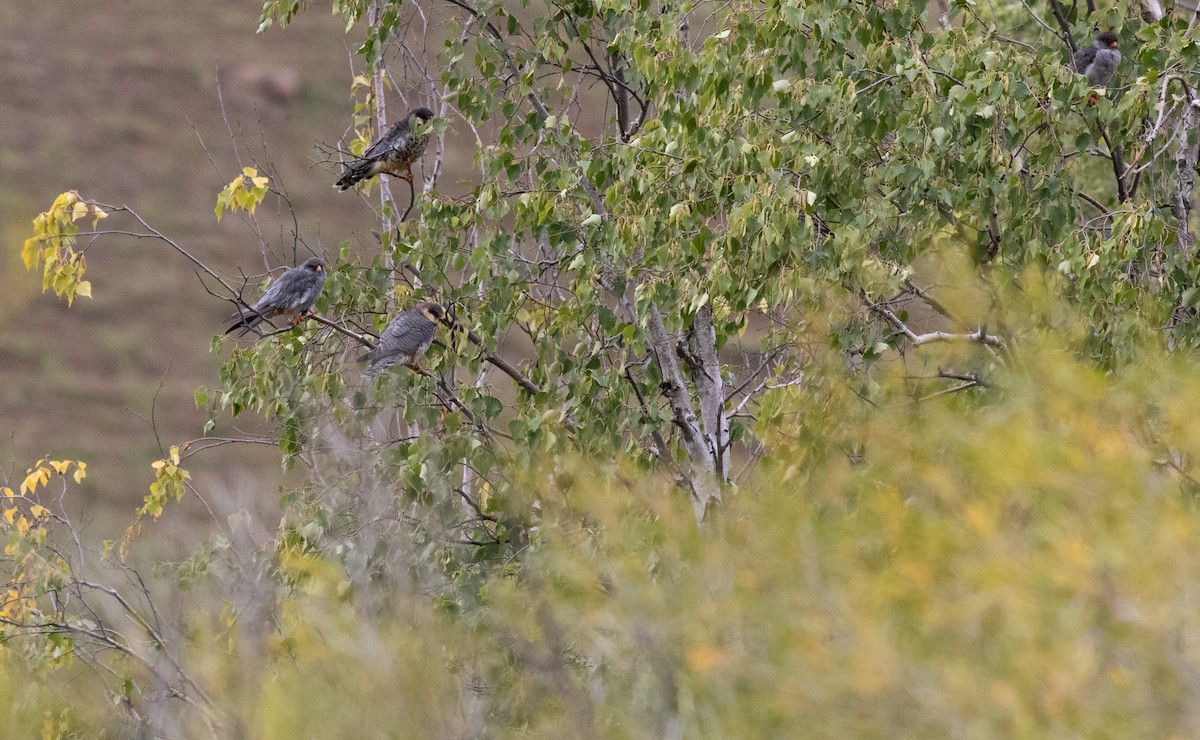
1118	165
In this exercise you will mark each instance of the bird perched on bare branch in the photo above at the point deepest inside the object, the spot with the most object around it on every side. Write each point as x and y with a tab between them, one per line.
291	296
1099	61
405	339
393	153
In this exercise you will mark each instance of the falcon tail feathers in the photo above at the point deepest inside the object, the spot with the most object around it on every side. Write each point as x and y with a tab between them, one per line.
248	322
353	175
372	370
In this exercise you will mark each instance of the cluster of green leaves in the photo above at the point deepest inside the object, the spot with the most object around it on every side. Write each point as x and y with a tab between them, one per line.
794	162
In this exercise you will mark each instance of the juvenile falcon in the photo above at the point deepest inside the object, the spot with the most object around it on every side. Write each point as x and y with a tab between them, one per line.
1099	61
393	153
290	296
405	339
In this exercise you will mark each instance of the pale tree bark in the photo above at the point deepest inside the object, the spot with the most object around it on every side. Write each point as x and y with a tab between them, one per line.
704	474
378	72
1185	162
1152	11
705	368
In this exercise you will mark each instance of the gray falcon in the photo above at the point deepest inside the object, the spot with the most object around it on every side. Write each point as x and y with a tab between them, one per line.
1099	61
290	296
405	339
393	153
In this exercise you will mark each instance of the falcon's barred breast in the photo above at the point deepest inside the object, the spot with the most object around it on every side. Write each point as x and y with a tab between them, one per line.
290	296
405	339
393	153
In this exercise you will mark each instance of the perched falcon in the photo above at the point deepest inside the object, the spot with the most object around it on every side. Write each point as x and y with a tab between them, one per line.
404	340
1099	61
290	296
393	153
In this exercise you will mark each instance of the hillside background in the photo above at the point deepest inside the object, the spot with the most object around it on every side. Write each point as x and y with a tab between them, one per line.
124	104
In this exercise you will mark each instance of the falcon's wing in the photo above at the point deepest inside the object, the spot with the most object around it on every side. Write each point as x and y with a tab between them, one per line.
275	295
266	305
395	138
1084	58
295	291
405	335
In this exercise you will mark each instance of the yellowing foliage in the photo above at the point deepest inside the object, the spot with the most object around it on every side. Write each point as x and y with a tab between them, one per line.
1019	565
21	515
170	483
244	192
52	245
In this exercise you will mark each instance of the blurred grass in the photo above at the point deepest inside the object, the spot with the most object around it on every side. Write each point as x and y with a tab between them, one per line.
1020	564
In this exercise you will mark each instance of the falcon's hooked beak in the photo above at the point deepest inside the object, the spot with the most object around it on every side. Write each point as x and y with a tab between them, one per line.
1113	44
318	268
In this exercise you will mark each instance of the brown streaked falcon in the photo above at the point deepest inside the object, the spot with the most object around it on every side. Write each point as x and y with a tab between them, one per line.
1099	61
405	339
393	153
293	294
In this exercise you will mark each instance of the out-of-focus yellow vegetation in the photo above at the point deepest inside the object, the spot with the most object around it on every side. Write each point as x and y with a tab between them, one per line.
1020	564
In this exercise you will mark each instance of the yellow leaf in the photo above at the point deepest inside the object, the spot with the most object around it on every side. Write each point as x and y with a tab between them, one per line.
60	466
84	288
78	211
64	200
29	254
158	464
31	481
37	510
80	471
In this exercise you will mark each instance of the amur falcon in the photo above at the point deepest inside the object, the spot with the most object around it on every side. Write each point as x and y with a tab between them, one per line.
1099	61
405	339
393	153
293	294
